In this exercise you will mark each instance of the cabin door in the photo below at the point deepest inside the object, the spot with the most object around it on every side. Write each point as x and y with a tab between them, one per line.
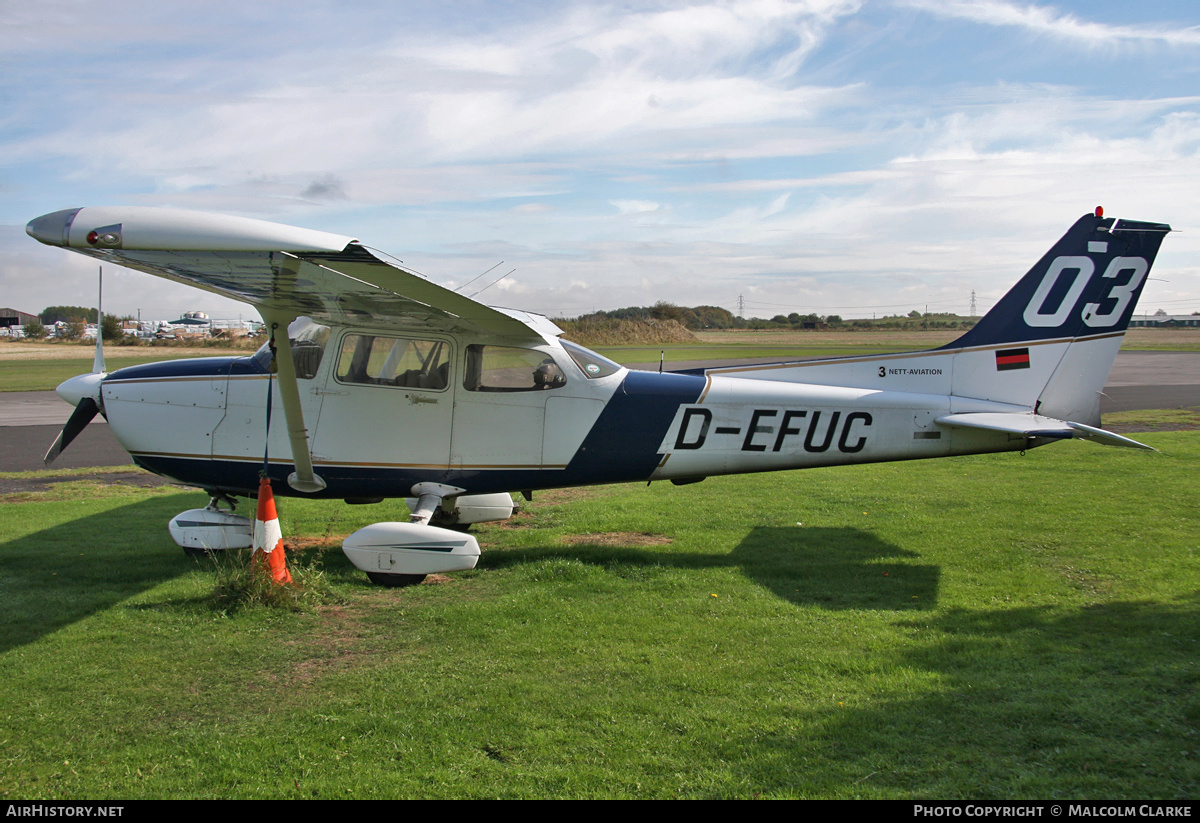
388	403
500	408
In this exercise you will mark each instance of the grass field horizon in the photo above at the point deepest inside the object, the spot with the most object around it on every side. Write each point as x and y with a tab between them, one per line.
994	626
27	366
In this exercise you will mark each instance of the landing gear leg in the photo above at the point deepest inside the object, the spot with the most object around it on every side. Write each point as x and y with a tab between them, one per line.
429	500
216	498
445	521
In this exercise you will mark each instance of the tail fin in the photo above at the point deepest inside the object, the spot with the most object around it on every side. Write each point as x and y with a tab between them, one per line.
1047	346
1051	340
1061	296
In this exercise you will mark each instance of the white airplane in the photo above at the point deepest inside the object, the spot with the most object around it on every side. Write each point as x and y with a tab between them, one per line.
392	386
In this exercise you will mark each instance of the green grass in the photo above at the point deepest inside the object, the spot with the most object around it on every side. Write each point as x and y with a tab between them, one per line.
986	627
44	375
1165	343
44	473
1151	419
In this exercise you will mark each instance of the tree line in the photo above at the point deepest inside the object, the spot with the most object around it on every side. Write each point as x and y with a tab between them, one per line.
699	318
74	320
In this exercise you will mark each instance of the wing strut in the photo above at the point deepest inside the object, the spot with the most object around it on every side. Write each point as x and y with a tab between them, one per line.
303	479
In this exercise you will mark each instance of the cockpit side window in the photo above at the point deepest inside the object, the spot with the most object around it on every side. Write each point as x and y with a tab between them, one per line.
307	339
509	369
394	361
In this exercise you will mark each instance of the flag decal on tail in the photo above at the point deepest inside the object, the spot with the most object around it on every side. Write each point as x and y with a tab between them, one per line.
1012	359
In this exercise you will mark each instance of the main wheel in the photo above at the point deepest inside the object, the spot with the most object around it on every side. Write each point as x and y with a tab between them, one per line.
443	521
395	581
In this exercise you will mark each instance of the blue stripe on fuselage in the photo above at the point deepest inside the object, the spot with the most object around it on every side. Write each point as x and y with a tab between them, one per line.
197	367
623	444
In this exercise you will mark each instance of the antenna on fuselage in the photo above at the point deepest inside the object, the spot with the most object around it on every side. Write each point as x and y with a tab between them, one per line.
476	277
494	282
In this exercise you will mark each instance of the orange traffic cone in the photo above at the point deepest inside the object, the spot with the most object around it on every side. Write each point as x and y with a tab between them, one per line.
268	537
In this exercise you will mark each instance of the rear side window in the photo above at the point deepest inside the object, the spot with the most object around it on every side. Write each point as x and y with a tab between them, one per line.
509	369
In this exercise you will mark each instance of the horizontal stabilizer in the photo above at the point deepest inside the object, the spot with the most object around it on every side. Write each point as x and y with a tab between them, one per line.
1106	437
1034	425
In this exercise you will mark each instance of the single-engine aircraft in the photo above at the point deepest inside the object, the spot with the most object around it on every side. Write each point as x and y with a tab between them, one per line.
392	386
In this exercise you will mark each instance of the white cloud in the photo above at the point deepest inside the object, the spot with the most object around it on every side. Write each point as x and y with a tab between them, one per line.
738	153
635	206
1049	21
592	78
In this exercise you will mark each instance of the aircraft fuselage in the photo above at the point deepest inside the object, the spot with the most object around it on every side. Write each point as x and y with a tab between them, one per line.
376	436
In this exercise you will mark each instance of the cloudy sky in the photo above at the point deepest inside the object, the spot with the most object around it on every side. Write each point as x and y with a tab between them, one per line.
819	155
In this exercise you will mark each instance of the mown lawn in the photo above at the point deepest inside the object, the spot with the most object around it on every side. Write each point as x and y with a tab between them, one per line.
984	627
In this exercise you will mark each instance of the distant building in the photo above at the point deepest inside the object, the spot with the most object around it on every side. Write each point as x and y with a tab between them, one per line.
14	317
1164	320
192	318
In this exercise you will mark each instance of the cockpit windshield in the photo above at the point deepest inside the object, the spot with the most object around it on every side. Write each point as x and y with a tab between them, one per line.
591	364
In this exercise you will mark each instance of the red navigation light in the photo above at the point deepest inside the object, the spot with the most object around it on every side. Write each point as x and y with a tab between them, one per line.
1099	211
92	237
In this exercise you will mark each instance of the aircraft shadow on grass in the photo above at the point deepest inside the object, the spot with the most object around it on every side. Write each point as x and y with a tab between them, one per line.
57	576
835	568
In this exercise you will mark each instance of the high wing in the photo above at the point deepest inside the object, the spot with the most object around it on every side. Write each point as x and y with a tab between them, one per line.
283	270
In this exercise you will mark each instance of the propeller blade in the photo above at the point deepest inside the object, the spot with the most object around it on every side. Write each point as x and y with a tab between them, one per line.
83	414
